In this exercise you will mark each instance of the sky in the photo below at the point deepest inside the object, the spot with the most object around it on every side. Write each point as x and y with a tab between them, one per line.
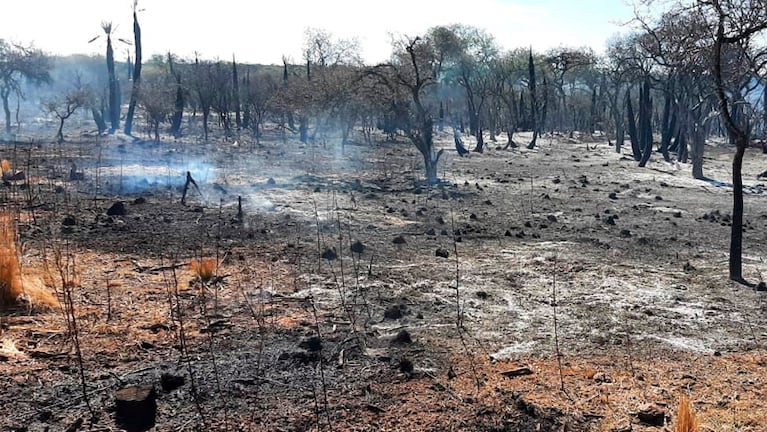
258	31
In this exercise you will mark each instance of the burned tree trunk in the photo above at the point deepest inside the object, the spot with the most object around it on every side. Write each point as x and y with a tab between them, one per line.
178	108
668	123
698	147
645	123
236	94
533	101
633	135
101	125
136	76
114	89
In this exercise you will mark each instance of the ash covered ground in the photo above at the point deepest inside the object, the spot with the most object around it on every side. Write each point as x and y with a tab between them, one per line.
352	296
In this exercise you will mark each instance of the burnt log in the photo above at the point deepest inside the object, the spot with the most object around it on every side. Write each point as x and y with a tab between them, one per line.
136	408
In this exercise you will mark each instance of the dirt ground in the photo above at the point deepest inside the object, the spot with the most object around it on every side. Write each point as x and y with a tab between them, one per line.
561	288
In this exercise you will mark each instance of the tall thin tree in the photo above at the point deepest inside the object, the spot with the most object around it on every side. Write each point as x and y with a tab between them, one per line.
136	72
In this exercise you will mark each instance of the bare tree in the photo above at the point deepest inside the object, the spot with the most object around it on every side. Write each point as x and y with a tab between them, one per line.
157	99
18	62
737	23
406	79
64	106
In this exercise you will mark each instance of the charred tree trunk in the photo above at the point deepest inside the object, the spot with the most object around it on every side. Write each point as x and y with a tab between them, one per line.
205	118
533	101
736	234
668	124
698	147
6	93
620	134
681	145
236	94
441	116
736	135
633	135
480	141
101	125
593	113
764	116
178	106
303	129
114	90
645	123
136	76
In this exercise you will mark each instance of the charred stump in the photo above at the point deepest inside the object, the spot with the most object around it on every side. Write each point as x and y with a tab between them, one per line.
189	180
136	408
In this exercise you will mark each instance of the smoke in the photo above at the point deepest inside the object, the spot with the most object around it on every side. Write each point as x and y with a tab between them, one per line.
136	177
138	172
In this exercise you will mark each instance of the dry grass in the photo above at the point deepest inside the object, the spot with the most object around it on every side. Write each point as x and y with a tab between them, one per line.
204	268
11	286
686	421
15	287
5	166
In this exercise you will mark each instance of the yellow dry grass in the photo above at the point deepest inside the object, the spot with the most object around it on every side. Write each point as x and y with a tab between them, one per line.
204	268
15	287
5	166
686	421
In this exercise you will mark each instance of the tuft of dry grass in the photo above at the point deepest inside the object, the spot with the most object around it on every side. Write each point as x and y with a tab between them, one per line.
687	420
10	269
204	268
5	166
15	287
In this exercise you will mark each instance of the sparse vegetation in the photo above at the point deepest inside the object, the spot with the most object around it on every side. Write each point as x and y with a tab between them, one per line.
373	250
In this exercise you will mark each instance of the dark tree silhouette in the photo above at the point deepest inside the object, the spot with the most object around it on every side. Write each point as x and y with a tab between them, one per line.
136	73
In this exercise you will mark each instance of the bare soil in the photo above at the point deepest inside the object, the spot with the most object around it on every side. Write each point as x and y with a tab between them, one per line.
447	317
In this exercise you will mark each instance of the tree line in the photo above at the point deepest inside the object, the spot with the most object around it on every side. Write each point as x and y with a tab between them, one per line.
691	70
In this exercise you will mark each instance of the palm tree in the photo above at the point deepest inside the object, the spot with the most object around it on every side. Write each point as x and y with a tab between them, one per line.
114	85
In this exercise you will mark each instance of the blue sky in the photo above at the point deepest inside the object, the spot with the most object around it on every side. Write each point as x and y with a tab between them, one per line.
264	31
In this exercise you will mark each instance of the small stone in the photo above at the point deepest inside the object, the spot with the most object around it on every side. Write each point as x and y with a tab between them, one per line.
399	240
613	196
395	312
761	286
482	295
170	382
139	201
687	267
405	365
358	247
551	218
473	216
271	182
652	415
431	232
403	337
117	209
625	233
507	233
69	220
329	254
311	344
442	253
